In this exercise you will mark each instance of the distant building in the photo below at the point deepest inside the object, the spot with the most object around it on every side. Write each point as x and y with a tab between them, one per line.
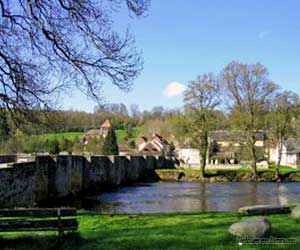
105	127
141	142
97	133
290	152
156	146
124	150
188	156
230	147
225	147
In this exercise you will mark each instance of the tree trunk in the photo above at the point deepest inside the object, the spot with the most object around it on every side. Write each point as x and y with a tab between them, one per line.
203	165
254	161
277	173
254	167
203	152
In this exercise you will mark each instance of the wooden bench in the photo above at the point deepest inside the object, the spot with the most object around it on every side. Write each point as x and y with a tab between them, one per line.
38	219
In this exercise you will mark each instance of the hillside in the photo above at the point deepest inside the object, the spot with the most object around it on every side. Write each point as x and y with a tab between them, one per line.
72	136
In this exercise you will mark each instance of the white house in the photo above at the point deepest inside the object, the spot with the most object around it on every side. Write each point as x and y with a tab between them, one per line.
225	147
290	152
189	157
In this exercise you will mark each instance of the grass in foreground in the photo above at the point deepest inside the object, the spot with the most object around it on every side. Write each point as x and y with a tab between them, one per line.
186	231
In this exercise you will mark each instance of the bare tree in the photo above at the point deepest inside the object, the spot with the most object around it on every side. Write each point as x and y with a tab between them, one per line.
201	99
47	45
249	89
284	110
135	110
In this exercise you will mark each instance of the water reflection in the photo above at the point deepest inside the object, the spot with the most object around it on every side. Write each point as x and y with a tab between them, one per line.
194	197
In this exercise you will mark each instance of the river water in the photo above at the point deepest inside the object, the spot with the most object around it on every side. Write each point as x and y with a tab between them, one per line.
193	197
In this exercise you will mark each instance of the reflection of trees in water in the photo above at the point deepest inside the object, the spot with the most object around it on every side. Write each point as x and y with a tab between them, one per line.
282	190
172	197
203	198
253	193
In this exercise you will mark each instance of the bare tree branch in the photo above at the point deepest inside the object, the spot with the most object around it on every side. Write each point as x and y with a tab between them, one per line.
49	45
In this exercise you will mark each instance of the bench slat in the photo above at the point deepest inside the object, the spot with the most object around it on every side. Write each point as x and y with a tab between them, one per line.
37	212
37	225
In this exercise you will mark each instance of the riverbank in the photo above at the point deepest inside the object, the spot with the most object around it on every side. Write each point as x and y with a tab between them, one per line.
184	231
241	175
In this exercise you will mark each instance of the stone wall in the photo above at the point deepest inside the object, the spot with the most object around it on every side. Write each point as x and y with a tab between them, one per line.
48	179
17	185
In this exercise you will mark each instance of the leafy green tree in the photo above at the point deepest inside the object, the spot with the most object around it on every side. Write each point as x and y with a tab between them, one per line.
284	111
110	145
34	144
250	91
4	125
65	145
78	147
53	146
180	127
94	146
132	144
15	143
201	99
129	130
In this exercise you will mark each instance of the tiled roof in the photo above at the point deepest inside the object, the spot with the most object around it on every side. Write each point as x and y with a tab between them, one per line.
92	133
106	124
160	138
123	148
230	135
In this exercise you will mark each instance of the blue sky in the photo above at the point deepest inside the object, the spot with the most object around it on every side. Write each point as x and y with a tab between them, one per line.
181	39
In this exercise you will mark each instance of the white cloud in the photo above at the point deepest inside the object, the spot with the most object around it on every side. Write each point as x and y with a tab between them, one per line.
263	34
174	89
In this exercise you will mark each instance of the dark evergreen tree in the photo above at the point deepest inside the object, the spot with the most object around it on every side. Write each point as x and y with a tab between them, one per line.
110	145
4	126
53	146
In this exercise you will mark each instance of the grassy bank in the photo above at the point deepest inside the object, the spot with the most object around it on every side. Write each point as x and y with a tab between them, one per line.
224	175
283	170
157	231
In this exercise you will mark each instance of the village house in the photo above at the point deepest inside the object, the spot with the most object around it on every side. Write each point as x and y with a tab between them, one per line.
188	156
228	147
290	152
225	147
97	133
156	146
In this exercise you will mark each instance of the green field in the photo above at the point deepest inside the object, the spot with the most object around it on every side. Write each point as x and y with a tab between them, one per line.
185	231
67	135
121	134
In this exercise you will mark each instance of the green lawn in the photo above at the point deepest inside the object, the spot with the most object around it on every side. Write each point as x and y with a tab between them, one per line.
67	135
186	231
121	134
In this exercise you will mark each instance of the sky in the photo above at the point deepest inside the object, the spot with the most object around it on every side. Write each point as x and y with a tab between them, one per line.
181	39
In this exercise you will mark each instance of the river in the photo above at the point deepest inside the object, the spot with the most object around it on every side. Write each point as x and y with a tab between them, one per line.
193	197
